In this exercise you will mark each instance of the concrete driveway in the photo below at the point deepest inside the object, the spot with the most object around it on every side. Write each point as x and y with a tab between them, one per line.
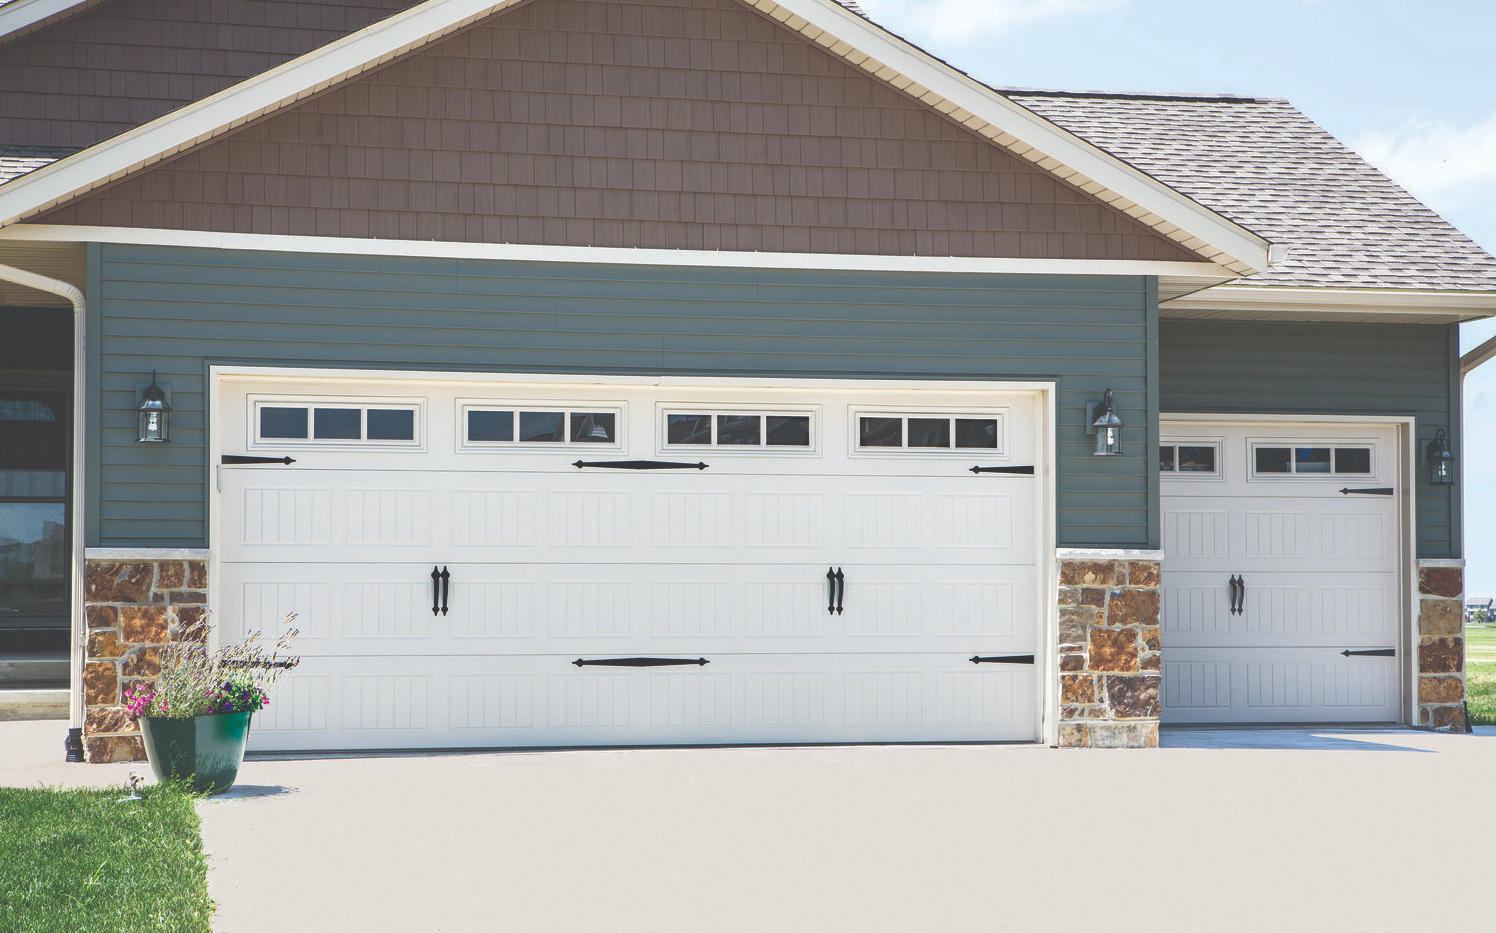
1219	831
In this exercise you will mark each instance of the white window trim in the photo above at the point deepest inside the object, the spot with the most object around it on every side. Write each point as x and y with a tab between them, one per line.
663	410
856	413
1217	475
312	402
1253	476
567	407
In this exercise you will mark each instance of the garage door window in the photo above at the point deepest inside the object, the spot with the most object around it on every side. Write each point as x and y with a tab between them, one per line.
335	423
1189	459
1268	460
538	426
927	432
777	430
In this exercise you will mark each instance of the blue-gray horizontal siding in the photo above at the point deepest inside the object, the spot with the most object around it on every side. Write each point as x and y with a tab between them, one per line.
174	310
1335	369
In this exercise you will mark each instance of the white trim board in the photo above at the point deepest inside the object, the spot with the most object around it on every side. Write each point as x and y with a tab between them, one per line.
826	22
20	15
1246	302
33	233
1480	355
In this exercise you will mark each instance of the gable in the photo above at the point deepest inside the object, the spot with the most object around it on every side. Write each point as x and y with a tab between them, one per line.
102	69
690	124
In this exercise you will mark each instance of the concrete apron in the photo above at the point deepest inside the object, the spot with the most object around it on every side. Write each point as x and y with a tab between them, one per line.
1282	830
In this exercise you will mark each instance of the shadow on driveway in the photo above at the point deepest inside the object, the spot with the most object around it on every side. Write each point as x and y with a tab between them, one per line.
1388	740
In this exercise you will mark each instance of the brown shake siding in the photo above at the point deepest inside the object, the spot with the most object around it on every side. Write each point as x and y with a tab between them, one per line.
111	68
691	124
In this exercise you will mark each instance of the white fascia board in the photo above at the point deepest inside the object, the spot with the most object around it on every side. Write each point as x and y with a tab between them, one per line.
985	111
1479	355
23	14
599	255
1319	301
235	106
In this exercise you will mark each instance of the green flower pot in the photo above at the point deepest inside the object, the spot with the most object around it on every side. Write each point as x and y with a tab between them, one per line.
206	750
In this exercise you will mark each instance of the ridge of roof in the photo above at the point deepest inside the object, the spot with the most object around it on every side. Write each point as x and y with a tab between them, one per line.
1233	248
1007	91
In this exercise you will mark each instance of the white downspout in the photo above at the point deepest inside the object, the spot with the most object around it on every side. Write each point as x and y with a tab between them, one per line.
75	641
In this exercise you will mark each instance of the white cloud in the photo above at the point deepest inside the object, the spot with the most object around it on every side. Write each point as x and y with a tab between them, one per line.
1435	157
1450	168
960	22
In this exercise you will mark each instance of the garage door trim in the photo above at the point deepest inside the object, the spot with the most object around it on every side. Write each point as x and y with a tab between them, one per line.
1406	449
400	381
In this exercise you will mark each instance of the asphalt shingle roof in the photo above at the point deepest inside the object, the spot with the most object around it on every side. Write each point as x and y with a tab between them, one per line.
1266	166
16	161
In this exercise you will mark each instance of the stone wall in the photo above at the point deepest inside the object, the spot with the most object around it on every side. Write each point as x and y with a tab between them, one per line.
1441	647
134	608
1110	661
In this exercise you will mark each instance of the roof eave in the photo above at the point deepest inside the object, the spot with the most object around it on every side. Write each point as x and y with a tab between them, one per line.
1241	301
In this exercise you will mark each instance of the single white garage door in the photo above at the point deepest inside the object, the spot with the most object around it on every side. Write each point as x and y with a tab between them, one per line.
1280	575
487	565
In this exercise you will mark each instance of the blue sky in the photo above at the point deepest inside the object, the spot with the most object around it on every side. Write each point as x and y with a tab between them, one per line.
1407	85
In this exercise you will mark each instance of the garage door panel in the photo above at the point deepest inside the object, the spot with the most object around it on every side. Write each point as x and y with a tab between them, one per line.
386	516
520	701
1278	685
366	609
1280	534
1279	609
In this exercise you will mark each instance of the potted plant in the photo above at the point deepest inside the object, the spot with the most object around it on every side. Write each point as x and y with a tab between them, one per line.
195	717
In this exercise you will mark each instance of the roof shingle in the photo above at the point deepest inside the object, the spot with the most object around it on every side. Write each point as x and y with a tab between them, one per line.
1266	166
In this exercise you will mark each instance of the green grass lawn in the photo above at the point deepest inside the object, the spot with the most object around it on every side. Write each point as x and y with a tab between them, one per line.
75	861
1480	673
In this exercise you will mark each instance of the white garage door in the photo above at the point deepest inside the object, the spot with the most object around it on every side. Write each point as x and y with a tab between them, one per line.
1281	569
638	598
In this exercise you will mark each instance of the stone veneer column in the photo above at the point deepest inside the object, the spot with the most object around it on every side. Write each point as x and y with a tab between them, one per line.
1441	645
136	603
1109	647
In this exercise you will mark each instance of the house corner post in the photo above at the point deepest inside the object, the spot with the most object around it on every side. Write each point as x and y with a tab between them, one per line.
1110	649
1440	642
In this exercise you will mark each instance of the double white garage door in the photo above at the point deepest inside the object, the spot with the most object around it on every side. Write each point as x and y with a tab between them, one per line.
488	565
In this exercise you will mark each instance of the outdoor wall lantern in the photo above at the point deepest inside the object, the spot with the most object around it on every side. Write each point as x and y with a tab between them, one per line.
1440	461
154	415
1108	428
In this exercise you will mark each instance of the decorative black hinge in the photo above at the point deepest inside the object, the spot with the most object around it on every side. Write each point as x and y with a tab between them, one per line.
637	465
1375	491
1005	659
1012	471
1378	653
241	458
639	662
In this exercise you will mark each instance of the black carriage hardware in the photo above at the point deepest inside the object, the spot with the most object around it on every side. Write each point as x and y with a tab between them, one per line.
439	588
637	465
1010	471
639	662
1004	659
236	459
1377	653
1238	594
836	584
1374	491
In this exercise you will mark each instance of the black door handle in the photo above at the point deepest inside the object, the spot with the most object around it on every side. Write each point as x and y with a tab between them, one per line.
1241	595
436	590
841	589
445	577
1234	582
830	591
